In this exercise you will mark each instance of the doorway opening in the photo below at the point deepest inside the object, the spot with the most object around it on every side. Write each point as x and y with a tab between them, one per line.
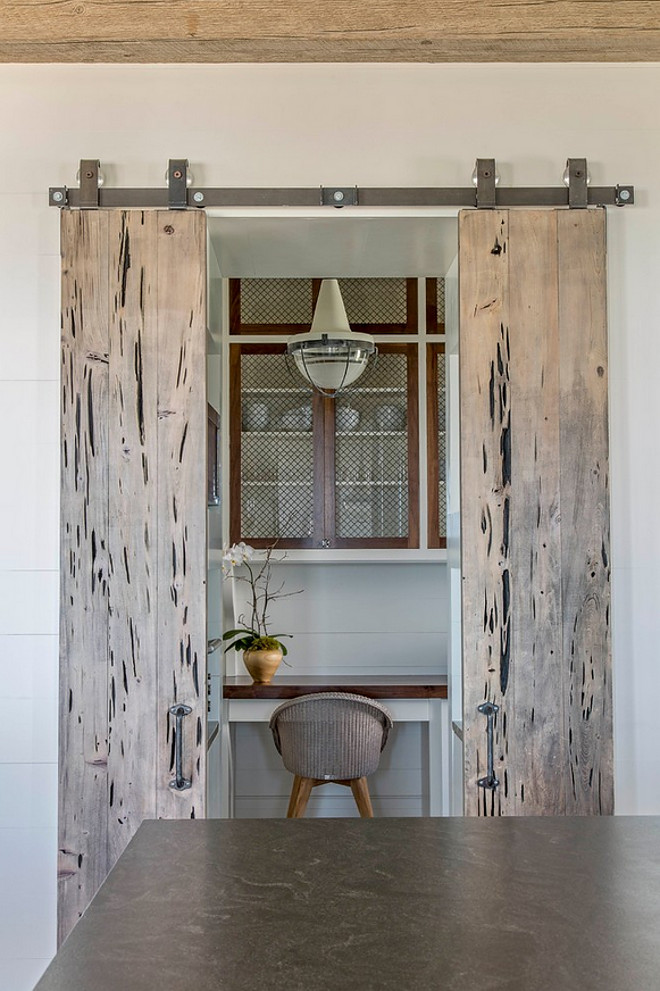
376	593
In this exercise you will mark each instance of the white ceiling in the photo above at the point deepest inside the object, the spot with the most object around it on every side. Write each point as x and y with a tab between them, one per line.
339	245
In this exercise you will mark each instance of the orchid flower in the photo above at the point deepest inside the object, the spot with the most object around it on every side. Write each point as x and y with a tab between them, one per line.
235	555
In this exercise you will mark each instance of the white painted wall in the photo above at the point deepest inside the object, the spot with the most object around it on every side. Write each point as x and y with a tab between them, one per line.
298	125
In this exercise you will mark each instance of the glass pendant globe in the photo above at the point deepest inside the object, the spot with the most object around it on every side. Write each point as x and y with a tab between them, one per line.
331	366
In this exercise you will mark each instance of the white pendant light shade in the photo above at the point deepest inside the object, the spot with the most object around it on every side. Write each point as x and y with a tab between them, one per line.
330	312
331	356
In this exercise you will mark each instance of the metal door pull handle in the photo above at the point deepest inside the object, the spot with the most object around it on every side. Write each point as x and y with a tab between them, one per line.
180	783
489	709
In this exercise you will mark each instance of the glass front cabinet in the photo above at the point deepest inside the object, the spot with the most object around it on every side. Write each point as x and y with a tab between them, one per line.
312	472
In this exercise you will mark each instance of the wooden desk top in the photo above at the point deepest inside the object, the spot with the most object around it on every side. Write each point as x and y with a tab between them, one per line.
381	687
503	904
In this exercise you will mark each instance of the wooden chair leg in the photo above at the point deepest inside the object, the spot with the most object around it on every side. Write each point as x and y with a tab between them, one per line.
300	792
360	790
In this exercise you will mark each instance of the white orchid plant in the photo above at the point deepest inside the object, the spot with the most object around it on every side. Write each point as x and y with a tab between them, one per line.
254	635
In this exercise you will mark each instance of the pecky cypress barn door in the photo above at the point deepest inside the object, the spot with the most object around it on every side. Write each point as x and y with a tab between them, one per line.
133	535
535	512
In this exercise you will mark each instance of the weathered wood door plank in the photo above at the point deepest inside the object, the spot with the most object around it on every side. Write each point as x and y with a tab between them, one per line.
534	501
133	524
133	592
485	485
585	512
83	740
536	671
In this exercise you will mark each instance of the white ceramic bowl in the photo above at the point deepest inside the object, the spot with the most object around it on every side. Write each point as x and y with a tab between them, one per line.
390	417
255	416
297	419
347	418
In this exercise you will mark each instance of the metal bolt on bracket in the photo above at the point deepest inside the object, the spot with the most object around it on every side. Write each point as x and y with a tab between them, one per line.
625	195
339	196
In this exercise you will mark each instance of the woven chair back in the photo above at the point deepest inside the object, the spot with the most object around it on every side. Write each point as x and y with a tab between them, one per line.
331	736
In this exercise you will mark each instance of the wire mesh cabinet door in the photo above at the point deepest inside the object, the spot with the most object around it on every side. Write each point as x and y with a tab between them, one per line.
312	472
373	448
276	438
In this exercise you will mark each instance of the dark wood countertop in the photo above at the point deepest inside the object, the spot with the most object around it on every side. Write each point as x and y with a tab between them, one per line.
382	687
504	904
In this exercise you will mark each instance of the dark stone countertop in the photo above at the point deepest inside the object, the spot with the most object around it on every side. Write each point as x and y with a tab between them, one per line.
335	905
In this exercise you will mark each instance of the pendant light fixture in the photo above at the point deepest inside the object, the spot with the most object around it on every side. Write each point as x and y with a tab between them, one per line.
331	357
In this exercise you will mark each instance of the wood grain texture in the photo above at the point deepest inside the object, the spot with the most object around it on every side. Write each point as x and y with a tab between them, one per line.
376	687
133	533
181	252
585	511
484	356
535	533
536	654
83	744
434	354
383	31
133	474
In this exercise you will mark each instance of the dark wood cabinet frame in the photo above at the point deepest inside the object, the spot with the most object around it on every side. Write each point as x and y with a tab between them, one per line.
433	354
237	328
433	325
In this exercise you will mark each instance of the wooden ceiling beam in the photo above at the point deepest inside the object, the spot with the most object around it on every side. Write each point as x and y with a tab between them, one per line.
329	31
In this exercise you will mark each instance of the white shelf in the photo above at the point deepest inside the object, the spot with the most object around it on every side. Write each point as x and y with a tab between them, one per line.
376	389
371	433
373	484
298	390
338	433
277	433
331	555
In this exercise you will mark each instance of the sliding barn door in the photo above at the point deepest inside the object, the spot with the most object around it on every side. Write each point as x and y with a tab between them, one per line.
133	534
535	513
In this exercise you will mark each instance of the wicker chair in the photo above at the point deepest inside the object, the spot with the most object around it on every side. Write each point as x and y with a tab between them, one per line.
330	737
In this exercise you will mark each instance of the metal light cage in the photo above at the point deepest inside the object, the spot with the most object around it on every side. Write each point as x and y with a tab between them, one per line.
308	354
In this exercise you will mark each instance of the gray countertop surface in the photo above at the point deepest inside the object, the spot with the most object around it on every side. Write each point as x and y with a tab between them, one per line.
439	904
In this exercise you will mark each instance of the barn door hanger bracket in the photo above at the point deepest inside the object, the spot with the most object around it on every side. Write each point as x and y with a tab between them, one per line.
484	193
178	180
90	180
339	196
576	177
485	178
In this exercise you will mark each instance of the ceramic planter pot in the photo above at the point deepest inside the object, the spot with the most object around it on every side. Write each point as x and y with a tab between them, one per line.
262	664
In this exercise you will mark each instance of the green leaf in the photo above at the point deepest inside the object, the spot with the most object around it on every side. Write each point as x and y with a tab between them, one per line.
235	633
244	643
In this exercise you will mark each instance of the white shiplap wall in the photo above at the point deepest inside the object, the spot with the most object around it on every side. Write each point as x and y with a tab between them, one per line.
360	618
